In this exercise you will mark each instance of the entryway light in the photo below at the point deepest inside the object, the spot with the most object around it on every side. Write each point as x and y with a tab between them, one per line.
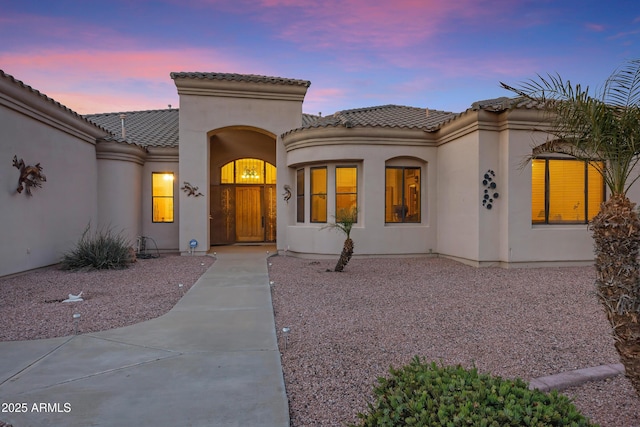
250	173
168	177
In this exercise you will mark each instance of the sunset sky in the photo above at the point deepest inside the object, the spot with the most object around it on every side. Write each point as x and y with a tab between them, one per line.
109	56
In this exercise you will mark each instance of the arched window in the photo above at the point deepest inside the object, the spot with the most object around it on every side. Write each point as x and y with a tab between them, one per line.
248	171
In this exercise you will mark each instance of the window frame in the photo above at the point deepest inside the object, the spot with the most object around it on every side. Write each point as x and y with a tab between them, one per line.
300	193
313	195
547	189
172	197
355	193
402	197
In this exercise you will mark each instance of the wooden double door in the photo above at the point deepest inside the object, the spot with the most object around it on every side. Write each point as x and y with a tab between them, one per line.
243	213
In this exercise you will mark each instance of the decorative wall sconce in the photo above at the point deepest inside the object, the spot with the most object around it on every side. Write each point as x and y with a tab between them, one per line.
191	190
287	193
30	176
490	190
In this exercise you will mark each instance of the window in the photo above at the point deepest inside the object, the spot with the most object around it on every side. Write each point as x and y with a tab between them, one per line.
248	171
565	191
402	194
300	195
162	196
319	194
346	189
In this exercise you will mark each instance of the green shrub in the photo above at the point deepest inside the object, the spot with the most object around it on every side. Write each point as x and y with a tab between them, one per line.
98	251
421	394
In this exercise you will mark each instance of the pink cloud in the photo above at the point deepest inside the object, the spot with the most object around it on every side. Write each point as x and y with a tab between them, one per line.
595	27
117	101
101	81
364	23
319	100
354	24
63	29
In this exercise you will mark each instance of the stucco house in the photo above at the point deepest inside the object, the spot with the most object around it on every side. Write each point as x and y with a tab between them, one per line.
239	162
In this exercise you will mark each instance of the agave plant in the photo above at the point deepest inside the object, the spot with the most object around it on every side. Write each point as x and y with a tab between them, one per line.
344	223
604	130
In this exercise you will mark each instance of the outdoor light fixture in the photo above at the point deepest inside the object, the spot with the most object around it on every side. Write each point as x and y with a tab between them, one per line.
250	173
271	283
76	320
181	287
285	334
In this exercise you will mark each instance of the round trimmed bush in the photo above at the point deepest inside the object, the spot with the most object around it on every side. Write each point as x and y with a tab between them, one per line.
422	394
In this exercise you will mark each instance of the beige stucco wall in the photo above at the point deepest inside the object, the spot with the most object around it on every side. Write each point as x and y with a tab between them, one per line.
120	188
37	230
505	235
210	105
165	235
371	151
468	149
455	223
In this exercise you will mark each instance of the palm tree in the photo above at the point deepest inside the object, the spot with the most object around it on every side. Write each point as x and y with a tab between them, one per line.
604	130
344	222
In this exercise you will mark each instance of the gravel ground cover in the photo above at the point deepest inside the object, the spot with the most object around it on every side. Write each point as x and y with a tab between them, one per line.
30	304
348	328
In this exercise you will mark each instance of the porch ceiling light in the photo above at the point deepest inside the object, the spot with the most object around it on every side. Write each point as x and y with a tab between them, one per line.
250	173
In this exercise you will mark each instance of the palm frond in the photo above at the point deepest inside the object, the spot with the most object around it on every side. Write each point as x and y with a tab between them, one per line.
603	130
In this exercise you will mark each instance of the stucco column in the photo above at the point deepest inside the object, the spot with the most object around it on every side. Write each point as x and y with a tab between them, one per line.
120	188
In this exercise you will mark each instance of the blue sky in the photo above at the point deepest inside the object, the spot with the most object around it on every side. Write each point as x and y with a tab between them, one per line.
107	56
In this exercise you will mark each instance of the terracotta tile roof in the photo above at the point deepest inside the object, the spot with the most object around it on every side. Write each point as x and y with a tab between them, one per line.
240	78
381	116
504	103
44	97
156	128
309	119
495	105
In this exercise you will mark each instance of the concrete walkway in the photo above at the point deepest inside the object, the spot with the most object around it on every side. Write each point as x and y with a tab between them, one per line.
212	360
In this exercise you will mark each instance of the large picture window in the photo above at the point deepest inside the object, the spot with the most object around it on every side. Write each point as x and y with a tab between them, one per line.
162	195
346	190
402	194
565	191
300	195
318	194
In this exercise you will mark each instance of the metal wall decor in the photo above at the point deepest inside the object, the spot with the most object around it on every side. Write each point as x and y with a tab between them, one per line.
287	193
30	176
191	190
490	189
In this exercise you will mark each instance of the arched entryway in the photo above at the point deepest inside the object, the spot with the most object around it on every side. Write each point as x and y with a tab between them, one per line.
243	186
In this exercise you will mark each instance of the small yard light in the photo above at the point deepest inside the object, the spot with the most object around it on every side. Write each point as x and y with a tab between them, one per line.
181	287
271	283
285	334
76	320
